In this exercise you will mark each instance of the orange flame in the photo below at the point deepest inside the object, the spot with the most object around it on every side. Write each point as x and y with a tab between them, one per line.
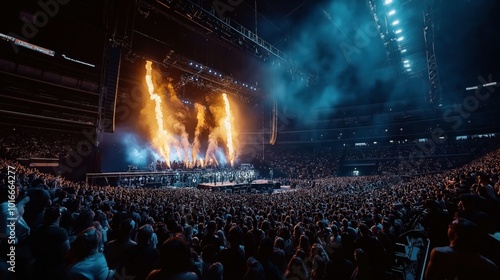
162	135
200	116
229	129
168	130
213	144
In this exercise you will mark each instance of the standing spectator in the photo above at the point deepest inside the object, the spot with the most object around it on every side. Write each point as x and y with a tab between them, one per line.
435	223
49	245
85	260
279	256
375	253
233	257
210	236
319	259
460	259
255	271
39	200
175	261
22	232
296	269
264	256
363	270
142	258
115	249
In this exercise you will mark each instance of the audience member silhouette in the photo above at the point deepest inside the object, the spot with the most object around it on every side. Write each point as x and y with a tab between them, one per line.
49	245
460	259
175	261
85	259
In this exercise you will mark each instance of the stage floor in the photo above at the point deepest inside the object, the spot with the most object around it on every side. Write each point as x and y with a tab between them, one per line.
256	186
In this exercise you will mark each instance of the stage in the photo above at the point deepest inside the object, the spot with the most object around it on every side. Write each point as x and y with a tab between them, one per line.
200	179
256	186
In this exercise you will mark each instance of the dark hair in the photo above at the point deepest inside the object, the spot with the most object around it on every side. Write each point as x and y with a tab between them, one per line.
84	220
144	234
265	250
37	182
126	228
175	256
235	235
464	235
86	244
51	214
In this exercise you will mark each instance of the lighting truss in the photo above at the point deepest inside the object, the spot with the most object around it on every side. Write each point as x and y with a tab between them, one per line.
435	96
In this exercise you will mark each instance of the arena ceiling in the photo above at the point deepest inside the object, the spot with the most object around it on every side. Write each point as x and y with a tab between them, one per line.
313	34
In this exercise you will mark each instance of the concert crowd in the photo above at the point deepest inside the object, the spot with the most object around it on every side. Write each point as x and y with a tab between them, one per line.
328	227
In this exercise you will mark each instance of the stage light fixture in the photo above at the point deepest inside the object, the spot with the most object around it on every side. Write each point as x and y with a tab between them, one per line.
400	39
396	22
398	31
387	2
392	12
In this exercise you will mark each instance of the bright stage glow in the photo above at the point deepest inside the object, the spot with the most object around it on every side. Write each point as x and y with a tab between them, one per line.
136	152
398	31
228	125
167	116
392	12
161	134
387	2
400	39
403	50
396	22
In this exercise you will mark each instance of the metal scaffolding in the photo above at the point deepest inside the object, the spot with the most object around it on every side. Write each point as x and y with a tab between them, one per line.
435	97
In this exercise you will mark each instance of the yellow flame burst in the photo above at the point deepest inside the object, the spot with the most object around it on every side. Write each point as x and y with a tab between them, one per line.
229	126
162	136
200	116
168	132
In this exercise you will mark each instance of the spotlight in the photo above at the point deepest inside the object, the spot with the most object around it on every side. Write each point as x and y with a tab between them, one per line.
398	31
396	22
387	2
400	39
403	50
406	61
392	12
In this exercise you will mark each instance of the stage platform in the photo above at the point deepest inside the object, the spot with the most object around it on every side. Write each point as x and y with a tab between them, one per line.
256	186
181	179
